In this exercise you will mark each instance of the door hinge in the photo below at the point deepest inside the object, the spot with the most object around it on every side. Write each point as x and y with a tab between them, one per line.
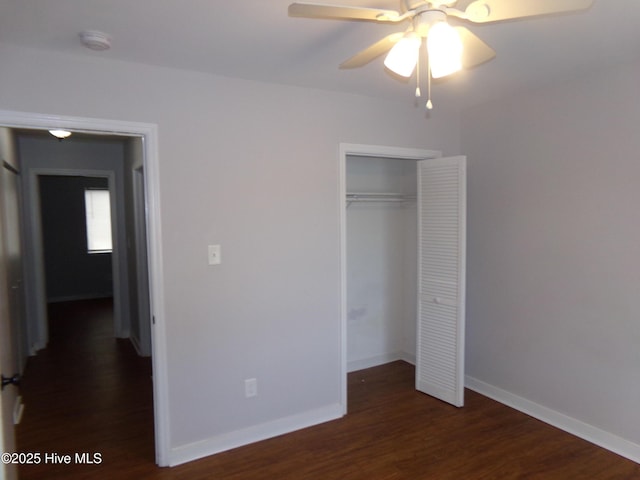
14	380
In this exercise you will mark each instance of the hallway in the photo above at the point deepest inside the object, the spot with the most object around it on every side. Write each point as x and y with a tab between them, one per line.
87	392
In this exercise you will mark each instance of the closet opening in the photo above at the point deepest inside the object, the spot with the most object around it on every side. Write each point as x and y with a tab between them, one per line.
381	260
403	243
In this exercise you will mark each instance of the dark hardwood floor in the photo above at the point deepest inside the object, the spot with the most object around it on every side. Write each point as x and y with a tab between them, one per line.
88	392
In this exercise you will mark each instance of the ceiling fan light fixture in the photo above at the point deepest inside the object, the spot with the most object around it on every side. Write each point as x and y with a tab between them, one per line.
402	58
445	50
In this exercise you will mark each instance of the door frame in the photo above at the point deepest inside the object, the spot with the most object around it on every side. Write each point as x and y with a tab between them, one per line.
360	150
149	134
143	343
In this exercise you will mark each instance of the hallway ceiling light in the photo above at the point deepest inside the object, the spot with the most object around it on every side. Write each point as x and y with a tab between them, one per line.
60	134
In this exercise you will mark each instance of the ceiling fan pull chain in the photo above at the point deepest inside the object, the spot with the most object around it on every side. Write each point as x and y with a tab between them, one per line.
418	76
429	105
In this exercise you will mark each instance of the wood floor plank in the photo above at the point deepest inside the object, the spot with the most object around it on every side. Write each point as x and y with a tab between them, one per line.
88	392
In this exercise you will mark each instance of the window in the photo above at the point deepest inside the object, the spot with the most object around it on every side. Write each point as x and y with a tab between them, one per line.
97	205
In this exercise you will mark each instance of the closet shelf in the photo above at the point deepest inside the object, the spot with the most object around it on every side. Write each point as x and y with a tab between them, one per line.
378	197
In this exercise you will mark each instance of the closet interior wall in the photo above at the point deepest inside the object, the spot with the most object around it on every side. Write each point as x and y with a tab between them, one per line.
381	260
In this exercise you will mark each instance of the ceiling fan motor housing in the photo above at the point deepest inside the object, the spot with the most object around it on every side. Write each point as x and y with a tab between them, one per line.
425	20
415	4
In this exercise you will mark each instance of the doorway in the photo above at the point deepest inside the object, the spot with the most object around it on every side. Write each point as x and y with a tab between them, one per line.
77	163
440	272
11	301
148	134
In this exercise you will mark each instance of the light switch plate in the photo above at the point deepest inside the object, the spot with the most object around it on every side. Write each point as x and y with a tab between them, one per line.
215	253
250	387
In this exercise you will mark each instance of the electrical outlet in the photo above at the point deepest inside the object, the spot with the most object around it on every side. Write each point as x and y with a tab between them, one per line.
250	387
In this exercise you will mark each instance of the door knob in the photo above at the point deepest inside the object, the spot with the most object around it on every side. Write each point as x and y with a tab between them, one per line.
15	380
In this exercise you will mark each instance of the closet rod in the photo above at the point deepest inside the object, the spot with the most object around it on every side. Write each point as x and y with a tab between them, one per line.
378	197
392	197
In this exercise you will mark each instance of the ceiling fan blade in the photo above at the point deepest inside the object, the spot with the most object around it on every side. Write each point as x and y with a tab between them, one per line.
365	56
485	11
316	10
475	51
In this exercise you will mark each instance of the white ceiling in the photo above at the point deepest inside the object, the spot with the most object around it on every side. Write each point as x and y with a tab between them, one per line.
256	39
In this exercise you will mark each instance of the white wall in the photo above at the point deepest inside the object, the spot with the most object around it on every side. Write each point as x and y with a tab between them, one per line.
381	263
554	249
253	167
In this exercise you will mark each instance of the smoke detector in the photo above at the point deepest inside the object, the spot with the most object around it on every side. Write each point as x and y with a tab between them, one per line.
95	40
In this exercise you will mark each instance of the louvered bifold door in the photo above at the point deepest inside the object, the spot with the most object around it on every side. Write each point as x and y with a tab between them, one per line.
441	278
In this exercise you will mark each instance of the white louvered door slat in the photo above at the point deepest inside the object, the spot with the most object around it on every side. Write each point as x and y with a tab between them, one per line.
441	278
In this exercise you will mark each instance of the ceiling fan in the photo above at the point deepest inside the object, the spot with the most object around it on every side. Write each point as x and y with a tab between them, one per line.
448	49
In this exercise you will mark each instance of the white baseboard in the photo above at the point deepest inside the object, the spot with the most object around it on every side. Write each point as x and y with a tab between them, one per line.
256	433
408	357
369	362
576	427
